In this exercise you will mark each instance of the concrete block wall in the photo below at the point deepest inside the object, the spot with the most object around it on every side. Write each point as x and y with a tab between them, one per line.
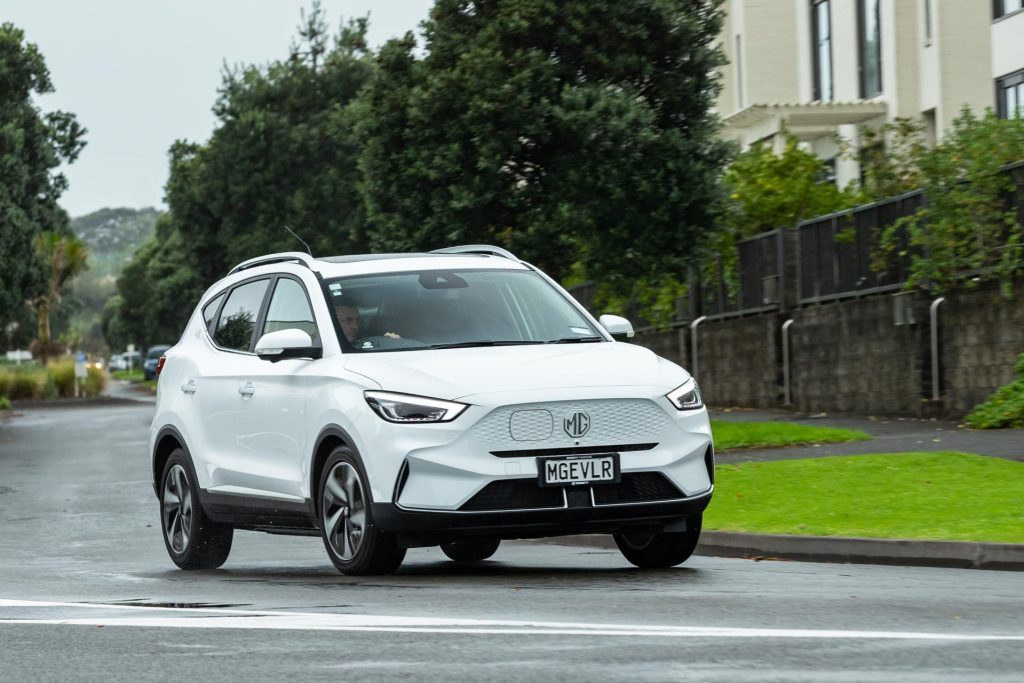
848	356
981	336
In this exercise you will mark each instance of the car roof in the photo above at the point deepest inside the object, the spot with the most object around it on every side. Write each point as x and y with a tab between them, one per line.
463	257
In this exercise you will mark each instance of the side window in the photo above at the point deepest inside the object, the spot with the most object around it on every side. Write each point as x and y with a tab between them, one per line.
289	309
210	310
238	319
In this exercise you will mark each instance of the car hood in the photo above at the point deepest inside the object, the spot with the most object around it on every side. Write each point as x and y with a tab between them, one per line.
458	373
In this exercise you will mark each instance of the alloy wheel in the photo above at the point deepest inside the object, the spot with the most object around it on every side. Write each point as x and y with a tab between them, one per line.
177	509
344	510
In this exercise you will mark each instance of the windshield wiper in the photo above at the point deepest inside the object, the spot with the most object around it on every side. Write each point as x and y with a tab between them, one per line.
574	340
483	342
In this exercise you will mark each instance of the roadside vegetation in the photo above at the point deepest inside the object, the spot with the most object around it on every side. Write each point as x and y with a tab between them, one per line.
1004	408
129	375
732	435
905	495
54	380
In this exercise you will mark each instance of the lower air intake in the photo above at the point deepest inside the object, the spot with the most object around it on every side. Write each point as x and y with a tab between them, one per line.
515	494
637	487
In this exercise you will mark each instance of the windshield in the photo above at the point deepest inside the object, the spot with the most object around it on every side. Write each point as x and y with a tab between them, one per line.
434	309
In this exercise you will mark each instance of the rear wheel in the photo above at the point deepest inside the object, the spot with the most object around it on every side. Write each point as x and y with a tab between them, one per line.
354	544
471	549
659	549
192	539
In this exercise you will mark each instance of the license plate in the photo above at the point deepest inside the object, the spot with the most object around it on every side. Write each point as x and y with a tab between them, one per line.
578	470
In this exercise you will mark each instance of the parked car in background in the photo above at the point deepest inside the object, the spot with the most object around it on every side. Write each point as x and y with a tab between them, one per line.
152	358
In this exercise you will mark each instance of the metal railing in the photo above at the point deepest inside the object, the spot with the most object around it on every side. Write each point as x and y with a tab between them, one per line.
836	251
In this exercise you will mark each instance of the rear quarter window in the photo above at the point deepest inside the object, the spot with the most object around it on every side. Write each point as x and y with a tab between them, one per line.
210	311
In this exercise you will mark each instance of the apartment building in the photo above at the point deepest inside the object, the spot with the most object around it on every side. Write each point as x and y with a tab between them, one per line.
821	67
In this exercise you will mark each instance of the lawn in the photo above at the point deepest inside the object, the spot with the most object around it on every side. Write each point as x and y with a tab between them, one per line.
132	376
730	435
942	496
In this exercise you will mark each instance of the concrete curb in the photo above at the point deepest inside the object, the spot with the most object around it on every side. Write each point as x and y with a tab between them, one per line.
97	402
1004	556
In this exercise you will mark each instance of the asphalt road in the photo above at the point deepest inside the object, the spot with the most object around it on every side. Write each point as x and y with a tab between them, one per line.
87	592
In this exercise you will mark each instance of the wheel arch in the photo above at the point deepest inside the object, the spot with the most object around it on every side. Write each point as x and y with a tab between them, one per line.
330	437
167	440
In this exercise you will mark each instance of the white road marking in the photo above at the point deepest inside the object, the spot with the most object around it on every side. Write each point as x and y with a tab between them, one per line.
129	615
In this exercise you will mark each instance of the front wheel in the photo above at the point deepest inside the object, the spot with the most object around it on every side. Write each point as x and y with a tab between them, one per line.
192	539
354	543
659	549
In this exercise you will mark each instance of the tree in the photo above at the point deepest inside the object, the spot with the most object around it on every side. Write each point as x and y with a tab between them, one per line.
565	130
967	230
157	291
284	153
32	146
64	257
768	191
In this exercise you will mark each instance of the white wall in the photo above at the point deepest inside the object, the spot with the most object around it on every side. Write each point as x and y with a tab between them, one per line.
1007	45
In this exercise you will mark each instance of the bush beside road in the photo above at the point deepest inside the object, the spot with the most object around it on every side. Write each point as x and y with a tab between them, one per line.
55	380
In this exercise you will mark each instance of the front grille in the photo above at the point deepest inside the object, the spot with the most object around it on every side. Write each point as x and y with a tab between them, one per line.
581	450
543	424
515	494
636	487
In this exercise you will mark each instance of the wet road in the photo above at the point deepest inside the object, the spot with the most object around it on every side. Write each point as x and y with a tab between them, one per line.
87	592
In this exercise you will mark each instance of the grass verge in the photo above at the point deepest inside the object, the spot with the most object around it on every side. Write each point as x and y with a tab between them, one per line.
131	376
937	496
729	435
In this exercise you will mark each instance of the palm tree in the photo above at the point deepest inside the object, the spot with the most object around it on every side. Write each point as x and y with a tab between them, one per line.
65	256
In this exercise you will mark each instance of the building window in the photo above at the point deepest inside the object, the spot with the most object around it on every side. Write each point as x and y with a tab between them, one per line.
870	34
821	44
1010	95
1000	8
928	20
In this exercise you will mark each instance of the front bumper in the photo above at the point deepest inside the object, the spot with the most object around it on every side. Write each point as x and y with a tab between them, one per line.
416	527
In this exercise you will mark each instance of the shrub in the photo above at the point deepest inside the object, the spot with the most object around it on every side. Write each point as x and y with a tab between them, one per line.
1004	408
5	403
63	374
95	382
17	383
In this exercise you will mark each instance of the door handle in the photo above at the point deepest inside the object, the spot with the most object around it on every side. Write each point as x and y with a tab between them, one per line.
189	387
247	390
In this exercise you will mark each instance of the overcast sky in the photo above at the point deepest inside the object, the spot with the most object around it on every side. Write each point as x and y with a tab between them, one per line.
141	74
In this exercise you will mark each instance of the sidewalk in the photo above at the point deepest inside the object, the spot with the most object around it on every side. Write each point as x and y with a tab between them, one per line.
889	435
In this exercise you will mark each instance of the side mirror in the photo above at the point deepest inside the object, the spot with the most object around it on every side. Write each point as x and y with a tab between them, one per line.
617	326
290	343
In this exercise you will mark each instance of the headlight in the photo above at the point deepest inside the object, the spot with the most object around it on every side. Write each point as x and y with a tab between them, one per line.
404	408
687	396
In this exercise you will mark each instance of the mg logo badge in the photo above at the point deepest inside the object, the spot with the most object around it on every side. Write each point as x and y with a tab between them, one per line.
576	424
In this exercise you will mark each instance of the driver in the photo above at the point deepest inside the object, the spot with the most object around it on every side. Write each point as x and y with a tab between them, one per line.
347	310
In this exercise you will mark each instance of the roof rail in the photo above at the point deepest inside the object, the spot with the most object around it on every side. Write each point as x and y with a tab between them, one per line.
283	257
477	249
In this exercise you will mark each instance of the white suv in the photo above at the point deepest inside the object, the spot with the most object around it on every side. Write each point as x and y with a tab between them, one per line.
385	402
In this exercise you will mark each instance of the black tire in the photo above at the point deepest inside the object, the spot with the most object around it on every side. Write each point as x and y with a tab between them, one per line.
471	549
193	540
353	542
660	549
